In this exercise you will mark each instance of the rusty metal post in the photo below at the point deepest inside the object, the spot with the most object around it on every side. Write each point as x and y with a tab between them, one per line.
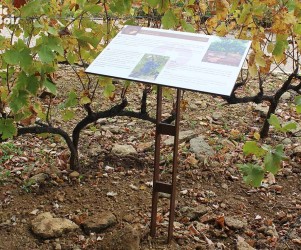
156	162
158	186
174	167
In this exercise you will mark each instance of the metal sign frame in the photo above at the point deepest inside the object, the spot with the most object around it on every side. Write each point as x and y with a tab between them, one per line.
158	186
174	56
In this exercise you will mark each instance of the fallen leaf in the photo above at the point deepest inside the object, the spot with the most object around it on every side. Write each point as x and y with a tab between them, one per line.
192	230
220	221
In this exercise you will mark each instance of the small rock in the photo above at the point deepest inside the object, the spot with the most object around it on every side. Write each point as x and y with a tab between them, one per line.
123	150
183	136
242	244
111	128
57	246
132	186
109	169
235	223
126	239
99	222
271	231
164	195
34	212
263	110
74	175
287	141
133	123
225	186
297	151
38	178
200	148
228	144
102	121
46	226
111	194
145	146
286	96
193	213
128	218
216	116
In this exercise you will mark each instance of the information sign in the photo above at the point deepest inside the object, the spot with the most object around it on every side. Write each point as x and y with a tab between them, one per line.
171	58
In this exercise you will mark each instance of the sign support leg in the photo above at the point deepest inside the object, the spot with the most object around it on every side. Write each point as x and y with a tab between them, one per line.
158	186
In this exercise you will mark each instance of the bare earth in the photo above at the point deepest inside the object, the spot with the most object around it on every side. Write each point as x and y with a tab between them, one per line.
231	214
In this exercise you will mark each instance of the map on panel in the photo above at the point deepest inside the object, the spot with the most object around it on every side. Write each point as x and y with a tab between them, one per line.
176	59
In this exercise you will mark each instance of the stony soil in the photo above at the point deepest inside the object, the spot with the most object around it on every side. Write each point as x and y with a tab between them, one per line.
215	208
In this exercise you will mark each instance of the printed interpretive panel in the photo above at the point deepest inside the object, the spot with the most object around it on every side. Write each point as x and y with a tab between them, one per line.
176	59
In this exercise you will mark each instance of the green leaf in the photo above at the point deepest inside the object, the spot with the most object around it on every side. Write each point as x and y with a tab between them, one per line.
45	54
280	47
18	54
93	8
86	37
274	121
251	147
127	83
18	100
252	174
7	128
71	57
47	48
291	5
109	89
68	115
169	20
50	86
153	3
297	28
120	6
32	8
29	83
272	161
187	26
25	58
11	56
71	100
289	126
298	103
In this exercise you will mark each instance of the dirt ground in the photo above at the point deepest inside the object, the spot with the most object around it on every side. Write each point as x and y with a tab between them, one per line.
268	217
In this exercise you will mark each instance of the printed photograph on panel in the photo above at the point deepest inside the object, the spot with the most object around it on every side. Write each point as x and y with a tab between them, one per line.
225	51
149	67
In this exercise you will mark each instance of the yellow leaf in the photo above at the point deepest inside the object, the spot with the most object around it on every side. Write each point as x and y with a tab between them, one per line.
256	136
270	47
211	24
85	100
260	59
222	29
253	70
267	67
222	9
203	7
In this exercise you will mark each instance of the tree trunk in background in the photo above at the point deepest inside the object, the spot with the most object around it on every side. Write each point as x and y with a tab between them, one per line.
19	3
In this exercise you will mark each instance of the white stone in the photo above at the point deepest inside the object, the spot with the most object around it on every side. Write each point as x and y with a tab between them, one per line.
123	150
46	226
183	136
